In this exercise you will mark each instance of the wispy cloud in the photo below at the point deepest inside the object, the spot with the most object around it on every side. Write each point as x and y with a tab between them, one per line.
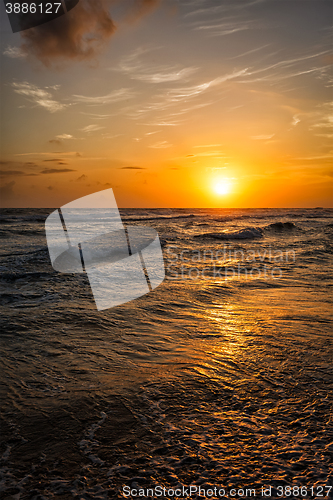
38	96
288	68
199	8
214	154
161	145
318	157
320	120
207	145
137	69
295	120
222	29
64	136
14	52
178	95
163	123
97	116
132	168
223	19
92	128
252	51
264	137
112	97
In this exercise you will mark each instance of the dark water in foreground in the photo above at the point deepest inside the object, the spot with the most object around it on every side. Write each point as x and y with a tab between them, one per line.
220	377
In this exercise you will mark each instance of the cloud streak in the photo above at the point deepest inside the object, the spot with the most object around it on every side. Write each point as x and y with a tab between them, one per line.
57	170
92	128
132	168
38	96
137	69
177	96
112	97
14	52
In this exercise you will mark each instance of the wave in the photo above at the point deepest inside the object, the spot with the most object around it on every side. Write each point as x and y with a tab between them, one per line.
281	226
316	214
32	275
159	217
243	234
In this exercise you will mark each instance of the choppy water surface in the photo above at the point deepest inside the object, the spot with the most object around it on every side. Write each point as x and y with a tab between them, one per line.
220	376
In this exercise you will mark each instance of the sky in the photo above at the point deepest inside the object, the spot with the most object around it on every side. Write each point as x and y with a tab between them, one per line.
191	103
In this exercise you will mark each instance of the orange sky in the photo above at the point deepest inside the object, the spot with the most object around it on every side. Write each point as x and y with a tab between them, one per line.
172	102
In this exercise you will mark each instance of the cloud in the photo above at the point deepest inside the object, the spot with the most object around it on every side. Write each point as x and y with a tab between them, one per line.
92	128
17	168
222	29
187	92
17	173
81	34
262	137
66	153
96	116
289	68
82	177
57	170
139	70
222	19
295	120
39	96
208	145
64	136
132	168
14	52
115	96
53	159
172	97
11	172
214	154
60	138
161	145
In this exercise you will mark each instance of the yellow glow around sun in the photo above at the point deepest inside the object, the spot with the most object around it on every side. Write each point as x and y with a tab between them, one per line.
222	187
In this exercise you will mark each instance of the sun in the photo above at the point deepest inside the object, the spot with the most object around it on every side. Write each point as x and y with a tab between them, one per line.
222	187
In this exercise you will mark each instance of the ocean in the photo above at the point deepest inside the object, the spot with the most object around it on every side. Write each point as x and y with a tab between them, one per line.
219	378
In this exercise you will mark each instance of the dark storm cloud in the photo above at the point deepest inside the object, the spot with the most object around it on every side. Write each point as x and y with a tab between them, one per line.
81	34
